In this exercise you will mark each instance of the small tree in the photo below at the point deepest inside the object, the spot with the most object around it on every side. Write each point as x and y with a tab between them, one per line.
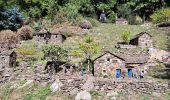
10	19
89	48
126	36
55	53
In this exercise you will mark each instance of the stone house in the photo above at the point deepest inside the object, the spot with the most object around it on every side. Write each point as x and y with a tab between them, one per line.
8	58
143	40
119	65
56	37
107	64
42	36
121	21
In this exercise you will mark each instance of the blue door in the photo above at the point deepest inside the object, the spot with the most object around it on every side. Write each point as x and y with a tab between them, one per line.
130	73
118	73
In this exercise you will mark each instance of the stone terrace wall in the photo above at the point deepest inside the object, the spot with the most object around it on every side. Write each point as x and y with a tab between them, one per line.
109	85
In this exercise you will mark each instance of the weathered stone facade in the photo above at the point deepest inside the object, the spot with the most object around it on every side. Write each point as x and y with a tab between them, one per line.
41	36
56	38
143	40
44	37
127	65
121	21
106	65
8	59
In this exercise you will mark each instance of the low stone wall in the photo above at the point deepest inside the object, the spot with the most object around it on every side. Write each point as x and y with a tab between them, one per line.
112	85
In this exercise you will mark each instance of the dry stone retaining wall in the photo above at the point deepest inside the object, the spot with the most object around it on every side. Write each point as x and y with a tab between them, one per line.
109	85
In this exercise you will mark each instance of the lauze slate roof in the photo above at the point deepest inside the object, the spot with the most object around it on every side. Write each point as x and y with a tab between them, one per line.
130	58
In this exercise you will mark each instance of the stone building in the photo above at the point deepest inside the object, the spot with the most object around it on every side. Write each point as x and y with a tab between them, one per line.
143	40
121	21
56	37
119	65
42	36
8	58
108	64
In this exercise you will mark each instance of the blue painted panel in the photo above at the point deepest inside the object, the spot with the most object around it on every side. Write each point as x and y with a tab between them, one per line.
118	73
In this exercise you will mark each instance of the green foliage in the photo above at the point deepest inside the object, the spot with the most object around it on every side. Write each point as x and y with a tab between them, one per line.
126	36
26	50
95	95
112	16
40	94
162	15
93	21
6	90
10	19
54	52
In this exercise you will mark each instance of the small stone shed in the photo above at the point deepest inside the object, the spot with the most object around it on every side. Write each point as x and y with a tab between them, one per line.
121	21
143	40
56	37
66	68
8	58
119	65
42	36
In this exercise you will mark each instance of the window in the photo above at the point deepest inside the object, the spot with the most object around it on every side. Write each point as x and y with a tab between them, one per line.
108	59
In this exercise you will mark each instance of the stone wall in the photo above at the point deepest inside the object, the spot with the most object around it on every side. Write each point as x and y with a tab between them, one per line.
112	85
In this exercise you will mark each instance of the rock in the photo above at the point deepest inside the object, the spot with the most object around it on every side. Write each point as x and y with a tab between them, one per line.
111	95
56	85
85	24
83	95
89	85
73	92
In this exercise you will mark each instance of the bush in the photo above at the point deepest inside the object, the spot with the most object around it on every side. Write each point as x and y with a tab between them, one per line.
85	24
8	36
111	17
162	15
25	33
10	19
126	36
27	50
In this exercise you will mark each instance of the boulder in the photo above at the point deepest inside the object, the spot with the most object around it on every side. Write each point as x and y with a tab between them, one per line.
83	95
85	24
89	85
56	85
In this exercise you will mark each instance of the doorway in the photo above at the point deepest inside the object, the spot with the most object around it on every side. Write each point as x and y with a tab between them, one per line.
118	73
130	73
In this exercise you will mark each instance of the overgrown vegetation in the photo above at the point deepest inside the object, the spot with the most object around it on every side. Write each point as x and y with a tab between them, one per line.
162	15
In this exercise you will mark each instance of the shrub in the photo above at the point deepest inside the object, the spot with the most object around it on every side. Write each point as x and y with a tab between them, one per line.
8	36
10	19
126	36
85	24
162	15
25	33
54	52
27	50
111	17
